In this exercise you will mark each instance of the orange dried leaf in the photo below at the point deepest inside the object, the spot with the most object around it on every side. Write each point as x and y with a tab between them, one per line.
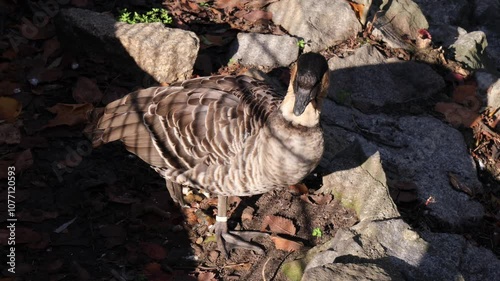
457	115
286	245
206	276
86	91
10	108
256	15
279	224
357	8
69	114
466	95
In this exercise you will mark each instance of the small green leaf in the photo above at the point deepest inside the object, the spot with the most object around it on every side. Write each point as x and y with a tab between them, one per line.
317	232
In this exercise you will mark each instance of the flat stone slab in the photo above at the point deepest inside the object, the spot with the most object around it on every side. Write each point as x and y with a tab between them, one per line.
321	23
399	19
167	54
368	79
265	50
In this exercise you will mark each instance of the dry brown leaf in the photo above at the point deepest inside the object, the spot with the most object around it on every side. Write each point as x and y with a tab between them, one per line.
229	4
458	185
50	47
86	91
50	75
69	114
466	95
190	215
247	213
256	15
42	30
153	251
36	215
10	108
357	8
23	161
279	224
81	273
119	195
41	244
9	134
299	188
26	235
286	245
54	265
153	272
457	115
206	276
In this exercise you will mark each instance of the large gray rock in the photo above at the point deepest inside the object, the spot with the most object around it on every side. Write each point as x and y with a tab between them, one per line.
486	13
469	49
321	23
393	246
367	78
417	149
350	272
399	19
493	95
453	12
167	54
253	49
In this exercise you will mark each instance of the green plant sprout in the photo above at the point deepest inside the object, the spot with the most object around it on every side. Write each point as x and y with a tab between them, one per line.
155	15
317	232
301	43
204	4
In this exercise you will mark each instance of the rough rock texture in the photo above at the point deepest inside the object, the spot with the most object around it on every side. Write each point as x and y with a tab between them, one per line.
400	251
493	95
366	78
486	14
418	149
166	54
362	153
470	48
349	272
453	12
399	18
253	49
321	23
444	34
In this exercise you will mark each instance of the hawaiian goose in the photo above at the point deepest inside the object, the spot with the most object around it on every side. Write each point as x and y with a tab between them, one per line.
228	135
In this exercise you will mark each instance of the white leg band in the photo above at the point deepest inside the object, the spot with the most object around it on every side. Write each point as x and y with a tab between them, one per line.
220	219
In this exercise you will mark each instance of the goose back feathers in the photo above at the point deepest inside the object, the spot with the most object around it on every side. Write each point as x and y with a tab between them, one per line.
229	135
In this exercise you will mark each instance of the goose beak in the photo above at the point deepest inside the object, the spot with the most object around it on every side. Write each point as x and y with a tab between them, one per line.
302	99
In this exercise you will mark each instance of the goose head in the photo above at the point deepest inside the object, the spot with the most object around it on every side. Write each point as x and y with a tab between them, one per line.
308	87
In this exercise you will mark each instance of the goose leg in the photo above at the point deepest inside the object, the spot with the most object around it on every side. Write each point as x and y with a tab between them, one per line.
175	191
228	240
